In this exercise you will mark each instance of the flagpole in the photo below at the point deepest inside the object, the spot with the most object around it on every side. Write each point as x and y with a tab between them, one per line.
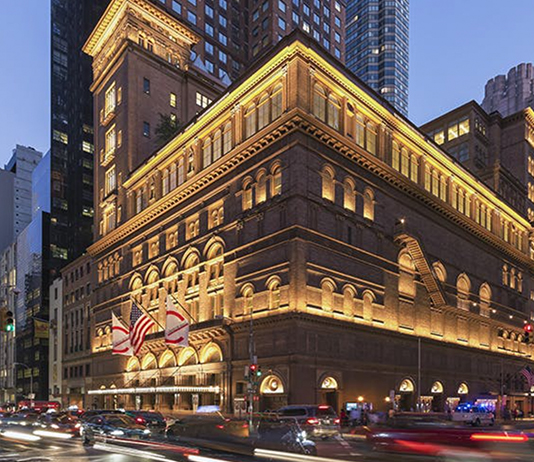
183	308
147	312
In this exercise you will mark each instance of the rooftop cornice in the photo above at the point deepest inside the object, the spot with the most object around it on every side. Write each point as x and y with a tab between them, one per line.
118	8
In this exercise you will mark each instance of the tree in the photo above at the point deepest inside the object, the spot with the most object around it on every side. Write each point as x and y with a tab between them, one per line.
167	128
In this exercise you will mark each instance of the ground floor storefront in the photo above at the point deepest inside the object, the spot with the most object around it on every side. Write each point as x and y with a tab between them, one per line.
306	359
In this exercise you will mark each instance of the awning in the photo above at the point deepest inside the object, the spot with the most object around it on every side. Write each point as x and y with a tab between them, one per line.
148	390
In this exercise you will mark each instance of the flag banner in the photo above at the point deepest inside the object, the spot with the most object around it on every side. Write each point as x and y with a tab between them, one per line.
176	326
529	375
140	324
121	338
41	328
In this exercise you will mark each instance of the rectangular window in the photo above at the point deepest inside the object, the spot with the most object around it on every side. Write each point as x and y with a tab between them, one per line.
192	17
282	6
61	137
452	132
281	24
88	147
176	6
209	11
202	100
111	182
209	30
146	129
110	142
146	86
110	100
172	99
223	39
439	137
463	127
223	57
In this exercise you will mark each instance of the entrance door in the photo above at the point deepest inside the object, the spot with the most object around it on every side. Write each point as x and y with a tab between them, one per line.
331	398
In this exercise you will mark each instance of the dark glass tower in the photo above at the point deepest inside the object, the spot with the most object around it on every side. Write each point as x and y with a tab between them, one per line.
377	47
71	214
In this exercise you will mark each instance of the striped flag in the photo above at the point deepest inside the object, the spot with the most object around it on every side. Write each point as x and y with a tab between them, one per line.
528	374
176	326
140	324
121	337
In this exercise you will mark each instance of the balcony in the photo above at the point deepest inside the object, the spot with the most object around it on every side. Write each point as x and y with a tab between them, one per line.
108	115
107	157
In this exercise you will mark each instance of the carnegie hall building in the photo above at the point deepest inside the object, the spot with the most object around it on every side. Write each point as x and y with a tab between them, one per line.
301	210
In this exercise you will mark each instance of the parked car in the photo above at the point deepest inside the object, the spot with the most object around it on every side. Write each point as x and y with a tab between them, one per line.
151	419
317	420
24	418
473	415
112	426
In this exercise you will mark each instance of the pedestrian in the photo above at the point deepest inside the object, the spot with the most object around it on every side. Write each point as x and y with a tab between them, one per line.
343	418
355	417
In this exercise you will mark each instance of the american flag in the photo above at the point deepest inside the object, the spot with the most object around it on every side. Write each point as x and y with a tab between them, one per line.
140	324
528	374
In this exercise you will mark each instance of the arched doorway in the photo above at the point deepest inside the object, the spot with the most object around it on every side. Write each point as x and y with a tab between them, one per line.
329	392
463	391
406	397
272	393
438	400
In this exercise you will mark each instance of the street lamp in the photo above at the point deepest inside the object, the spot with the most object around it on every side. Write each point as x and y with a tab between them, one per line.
31	380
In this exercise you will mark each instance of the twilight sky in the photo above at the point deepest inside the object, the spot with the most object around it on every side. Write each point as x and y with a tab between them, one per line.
455	47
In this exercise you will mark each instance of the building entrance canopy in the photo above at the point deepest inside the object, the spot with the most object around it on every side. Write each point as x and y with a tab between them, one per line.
147	390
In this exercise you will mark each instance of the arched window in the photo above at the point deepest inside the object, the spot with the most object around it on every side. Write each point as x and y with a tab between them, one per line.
439	271
368	300
327	295
247	194
248	299
349	295
333	110
250	121
216	262
263	111
349	195
328	184
485	299
370	138
276	181
217	147
191	270
368	204
505	274
206	153
227	138
319	102
261	187
520	282
513	280
276	102
463	288
165	182
274	293
406	275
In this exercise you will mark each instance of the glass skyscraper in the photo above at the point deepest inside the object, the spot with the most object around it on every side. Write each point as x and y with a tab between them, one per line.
377	47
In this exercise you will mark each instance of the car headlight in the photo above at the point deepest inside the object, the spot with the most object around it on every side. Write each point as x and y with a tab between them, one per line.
303	435
55	426
117	433
146	431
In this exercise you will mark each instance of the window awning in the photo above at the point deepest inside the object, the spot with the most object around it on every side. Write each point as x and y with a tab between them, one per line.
148	390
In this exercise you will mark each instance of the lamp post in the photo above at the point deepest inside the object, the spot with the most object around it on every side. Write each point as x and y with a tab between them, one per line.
31	380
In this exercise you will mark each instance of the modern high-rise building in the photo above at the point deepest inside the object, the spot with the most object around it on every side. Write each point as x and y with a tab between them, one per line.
377	49
16	193
510	93
71	142
234	33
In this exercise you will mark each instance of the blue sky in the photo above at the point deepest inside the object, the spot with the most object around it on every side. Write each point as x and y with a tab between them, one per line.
455	47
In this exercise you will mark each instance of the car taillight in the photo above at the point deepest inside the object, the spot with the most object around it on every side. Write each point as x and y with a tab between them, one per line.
337	421
140	420
312	421
322	406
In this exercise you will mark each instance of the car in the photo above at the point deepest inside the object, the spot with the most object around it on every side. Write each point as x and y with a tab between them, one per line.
24	418
319	421
116	425
473	415
90	413
61	423
151	419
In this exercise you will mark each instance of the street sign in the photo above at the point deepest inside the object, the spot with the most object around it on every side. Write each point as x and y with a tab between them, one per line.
31	395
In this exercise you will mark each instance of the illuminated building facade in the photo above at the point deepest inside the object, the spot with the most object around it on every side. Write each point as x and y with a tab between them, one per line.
499	150
378	47
299	201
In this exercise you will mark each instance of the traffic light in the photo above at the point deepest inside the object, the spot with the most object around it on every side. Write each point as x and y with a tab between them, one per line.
253	368
528	332
9	322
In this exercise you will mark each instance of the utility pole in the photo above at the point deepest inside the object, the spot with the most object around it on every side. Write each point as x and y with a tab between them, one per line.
419	374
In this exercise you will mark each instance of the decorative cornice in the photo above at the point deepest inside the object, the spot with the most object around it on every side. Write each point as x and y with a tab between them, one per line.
118	8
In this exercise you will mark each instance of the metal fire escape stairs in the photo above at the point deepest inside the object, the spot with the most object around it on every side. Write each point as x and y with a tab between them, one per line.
432	284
